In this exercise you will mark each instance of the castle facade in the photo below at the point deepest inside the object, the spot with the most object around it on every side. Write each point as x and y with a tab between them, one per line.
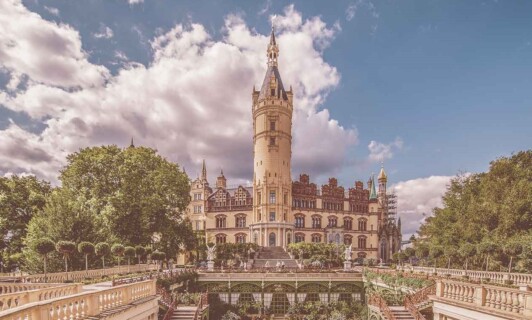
276	211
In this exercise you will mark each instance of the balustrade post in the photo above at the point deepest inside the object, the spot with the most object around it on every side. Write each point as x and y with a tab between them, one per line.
479	296
93	307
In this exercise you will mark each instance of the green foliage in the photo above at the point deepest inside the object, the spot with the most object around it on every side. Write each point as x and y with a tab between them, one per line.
86	248
481	215
137	192
102	249
64	217
158	256
65	247
118	249
20	199
44	246
129	252
328	253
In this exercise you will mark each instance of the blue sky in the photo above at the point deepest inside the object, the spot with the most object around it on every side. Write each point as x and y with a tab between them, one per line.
438	86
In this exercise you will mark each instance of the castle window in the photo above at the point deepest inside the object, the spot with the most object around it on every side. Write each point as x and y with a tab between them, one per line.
240	238
259	197
272	141
221	238
272	216
299	237
300	222
316	222
221	222
272	125
240	221
348	224
333	222
273	92
285	198
348	239
197	209
316	238
197	196
272	197
362	224
362	242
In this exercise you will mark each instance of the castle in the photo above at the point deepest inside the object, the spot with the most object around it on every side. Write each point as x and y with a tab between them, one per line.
277	211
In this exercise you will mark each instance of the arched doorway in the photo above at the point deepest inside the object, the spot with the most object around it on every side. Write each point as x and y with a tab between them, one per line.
272	242
288	238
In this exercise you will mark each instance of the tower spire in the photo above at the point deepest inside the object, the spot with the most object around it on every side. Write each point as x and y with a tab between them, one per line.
132	145
273	50
204	171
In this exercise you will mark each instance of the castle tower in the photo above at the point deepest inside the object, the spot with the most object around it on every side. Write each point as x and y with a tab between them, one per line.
272	149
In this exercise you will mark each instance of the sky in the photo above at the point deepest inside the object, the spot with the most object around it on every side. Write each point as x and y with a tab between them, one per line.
429	88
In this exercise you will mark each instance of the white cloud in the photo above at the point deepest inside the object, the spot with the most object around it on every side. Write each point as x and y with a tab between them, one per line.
47	52
351	11
105	32
379	151
52	10
191	102
416	198
266	7
135	1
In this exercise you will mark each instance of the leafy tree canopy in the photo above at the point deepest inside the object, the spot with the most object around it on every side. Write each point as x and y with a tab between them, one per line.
485	216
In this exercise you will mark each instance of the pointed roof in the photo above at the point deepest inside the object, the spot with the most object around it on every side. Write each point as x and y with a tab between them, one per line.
204	171
382	174
132	145
272	78
373	192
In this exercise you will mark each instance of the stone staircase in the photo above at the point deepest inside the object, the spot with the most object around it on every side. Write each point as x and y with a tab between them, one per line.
401	313
184	313
269	256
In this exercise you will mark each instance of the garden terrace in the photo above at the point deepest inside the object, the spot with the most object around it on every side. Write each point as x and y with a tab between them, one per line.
495	277
21	294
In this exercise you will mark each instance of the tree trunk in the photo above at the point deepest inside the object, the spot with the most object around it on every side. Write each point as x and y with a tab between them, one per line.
45	265
66	266
103	262
487	262
139	258
510	266
449	263
118	264
466	260
87	263
128	264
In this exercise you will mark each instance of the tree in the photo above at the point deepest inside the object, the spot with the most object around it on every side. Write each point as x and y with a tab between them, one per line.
449	252
68	217
486	210
86	248
158	256
487	248
66	248
513	248
136	191
102	250
129	252
118	250
466	251
44	247
139	252
20	199
148	251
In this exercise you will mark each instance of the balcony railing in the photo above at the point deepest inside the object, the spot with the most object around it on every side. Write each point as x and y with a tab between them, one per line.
512	303
496	277
83	305
18	298
77	276
378	302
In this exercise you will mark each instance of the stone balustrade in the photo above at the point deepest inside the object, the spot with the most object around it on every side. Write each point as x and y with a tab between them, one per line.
18	297
82	305
12	287
280	275
496	277
504	302
78	276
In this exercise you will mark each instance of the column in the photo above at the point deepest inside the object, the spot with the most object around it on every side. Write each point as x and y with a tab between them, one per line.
278	238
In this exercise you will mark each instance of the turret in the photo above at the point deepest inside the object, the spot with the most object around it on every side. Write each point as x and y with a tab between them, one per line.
221	182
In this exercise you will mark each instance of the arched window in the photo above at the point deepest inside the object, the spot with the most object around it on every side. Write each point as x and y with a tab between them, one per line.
348	223
300	221
333	222
221	238
221	221
362	242
240	238
316	222
316	238
348	239
240	221
362	224
299	237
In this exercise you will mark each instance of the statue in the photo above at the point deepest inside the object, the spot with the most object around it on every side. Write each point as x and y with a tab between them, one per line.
347	253
211	253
